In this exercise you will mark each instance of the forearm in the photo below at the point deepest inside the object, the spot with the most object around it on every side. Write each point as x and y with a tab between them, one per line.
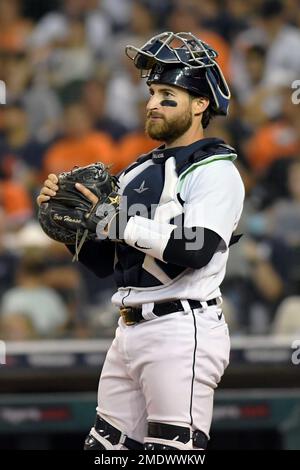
97	256
191	247
267	280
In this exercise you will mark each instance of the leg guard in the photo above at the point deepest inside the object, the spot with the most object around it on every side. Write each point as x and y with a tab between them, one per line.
106	437
162	436
91	443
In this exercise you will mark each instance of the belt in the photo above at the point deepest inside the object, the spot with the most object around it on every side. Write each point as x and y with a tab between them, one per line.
133	315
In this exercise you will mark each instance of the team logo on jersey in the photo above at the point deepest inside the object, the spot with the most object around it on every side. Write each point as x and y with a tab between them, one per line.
142	247
114	200
141	189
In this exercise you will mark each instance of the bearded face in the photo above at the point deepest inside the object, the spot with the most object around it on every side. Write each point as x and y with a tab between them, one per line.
167	128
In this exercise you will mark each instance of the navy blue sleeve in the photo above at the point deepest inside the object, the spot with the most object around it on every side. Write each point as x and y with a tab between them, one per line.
97	256
179	249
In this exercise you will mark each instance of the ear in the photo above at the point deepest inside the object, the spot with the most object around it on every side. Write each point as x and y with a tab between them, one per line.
200	104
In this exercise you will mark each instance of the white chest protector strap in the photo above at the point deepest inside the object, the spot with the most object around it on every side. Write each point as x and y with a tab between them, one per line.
151	236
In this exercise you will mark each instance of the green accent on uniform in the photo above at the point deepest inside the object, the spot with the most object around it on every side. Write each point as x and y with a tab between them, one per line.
230	156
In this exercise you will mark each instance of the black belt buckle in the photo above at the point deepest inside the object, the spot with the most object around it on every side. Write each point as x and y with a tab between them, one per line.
127	313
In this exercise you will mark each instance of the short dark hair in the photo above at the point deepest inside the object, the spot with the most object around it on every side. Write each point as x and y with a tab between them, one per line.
207	115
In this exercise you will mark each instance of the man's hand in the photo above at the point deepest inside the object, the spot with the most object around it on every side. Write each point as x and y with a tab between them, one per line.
48	190
87	193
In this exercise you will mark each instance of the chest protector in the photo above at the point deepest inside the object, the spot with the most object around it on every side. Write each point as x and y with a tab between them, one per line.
151	189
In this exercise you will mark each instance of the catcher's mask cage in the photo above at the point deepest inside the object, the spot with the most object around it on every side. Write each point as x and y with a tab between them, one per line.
189	63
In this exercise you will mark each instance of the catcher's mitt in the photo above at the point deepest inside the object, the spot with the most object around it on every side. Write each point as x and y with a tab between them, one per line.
69	217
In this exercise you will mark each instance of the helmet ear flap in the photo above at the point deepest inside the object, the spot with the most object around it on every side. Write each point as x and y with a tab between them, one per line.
219	89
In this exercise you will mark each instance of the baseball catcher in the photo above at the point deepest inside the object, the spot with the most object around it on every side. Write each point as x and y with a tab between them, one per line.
180	207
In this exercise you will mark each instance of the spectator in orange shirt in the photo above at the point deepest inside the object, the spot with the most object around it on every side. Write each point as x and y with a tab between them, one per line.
80	144
15	201
186	16
14	30
94	98
135	143
276	139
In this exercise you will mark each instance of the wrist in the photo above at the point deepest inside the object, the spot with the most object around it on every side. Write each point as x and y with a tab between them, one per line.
263	254
114	228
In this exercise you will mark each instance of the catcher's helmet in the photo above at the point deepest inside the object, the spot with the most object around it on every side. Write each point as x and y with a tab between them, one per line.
192	66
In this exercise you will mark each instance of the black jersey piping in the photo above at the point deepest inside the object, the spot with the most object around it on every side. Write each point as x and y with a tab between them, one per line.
193	368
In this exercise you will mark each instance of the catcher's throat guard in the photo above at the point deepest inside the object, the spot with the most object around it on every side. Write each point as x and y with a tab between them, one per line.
183	60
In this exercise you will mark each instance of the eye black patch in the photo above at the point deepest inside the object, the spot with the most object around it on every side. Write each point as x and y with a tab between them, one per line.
171	103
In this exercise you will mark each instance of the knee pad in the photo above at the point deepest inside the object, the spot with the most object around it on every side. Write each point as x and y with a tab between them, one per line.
162	436
105	436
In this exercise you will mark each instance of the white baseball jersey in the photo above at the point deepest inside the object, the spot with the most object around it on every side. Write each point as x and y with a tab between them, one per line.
213	193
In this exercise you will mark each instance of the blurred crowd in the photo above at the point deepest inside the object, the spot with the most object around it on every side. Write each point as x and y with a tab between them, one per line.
73	98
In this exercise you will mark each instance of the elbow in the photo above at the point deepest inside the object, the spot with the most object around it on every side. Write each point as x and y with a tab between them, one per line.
197	261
